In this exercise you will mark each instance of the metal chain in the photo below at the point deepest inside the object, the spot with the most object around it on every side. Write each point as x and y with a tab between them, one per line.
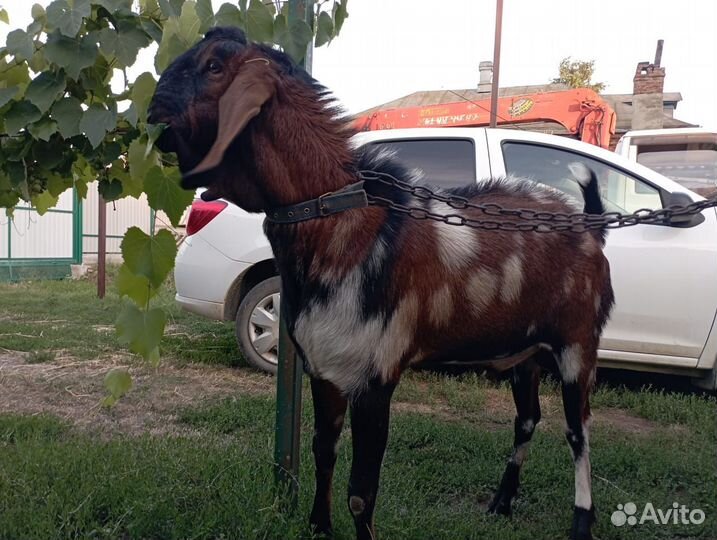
527	219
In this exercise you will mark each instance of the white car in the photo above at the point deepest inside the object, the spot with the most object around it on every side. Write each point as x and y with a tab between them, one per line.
664	276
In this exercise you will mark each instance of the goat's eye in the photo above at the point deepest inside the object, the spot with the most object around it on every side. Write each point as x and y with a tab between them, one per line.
214	67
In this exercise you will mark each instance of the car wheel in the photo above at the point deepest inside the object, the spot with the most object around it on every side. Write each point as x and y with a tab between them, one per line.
257	325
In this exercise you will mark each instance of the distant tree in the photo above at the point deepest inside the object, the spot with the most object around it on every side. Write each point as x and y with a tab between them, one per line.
578	74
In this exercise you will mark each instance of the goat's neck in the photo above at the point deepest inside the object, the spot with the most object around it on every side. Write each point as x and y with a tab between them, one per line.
305	153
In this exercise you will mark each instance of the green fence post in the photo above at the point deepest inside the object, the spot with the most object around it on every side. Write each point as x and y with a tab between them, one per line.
289	372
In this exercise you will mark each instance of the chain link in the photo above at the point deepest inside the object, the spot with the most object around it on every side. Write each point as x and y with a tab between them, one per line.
528	220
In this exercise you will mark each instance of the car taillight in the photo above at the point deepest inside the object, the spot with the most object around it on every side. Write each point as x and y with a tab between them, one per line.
202	213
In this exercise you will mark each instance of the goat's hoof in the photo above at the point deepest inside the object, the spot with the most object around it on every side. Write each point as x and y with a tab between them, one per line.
500	505
582	522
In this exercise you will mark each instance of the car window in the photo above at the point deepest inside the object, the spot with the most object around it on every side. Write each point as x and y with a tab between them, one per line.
694	165
444	162
549	165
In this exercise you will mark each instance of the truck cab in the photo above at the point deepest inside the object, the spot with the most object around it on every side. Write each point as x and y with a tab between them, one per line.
686	155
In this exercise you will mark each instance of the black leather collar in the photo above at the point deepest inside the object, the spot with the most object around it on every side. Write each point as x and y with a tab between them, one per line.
347	198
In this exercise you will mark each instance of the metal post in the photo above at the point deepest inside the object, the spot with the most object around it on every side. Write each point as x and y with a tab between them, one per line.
290	370
101	245
288	413
496	64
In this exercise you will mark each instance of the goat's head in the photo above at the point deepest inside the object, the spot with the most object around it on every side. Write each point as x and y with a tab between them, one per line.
238	114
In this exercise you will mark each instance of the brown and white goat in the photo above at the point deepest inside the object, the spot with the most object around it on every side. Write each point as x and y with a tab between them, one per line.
370	291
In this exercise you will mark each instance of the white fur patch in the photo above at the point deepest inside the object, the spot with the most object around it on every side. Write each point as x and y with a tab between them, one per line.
583	487
512	278
457	246
520	453
580	172
334	337
528	426
482	288
570	362
440	305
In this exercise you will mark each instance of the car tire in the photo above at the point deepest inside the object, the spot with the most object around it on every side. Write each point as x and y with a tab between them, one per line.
257	325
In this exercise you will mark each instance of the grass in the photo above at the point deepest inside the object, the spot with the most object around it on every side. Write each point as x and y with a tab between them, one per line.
67	317
212	477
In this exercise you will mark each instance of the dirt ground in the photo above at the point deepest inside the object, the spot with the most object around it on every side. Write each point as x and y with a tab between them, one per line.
72	390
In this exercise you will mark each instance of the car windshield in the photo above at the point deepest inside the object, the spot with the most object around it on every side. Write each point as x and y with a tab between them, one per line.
693	165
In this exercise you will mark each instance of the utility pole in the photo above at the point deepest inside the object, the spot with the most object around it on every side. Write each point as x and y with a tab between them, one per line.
496	64
289	369
101	245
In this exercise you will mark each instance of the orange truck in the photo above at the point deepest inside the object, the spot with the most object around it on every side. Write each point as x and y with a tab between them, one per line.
580	111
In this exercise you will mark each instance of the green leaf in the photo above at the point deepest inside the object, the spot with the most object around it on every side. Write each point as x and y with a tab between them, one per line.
112	6
45	89
134	286
123	44
6	94
48	154
14	75
57	184
96	122
39	20
171	8
259	21
139	162
152	258
141	330
20	45
67	15
3	16
117	382
20	115
296	39
142	92
205	14
130	115
153	133
179	34
67	112
340	15
131	187
43	202
325	29
165	193
43	129
71	54
111	190
229	15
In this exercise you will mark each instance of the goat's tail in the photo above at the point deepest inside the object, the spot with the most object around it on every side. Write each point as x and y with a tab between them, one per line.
588	181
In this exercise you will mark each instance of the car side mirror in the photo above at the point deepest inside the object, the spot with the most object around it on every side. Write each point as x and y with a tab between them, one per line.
682	199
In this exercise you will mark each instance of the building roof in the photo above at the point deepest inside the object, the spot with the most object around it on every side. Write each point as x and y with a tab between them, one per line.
435	97
621	103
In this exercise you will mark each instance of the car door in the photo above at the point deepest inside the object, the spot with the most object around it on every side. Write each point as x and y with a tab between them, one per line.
663	276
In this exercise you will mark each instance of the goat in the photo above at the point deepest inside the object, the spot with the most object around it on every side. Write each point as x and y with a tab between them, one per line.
368	291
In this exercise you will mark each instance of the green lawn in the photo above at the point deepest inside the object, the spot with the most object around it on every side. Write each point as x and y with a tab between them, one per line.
211	477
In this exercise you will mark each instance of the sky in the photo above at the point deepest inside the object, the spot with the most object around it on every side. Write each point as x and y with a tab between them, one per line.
390	48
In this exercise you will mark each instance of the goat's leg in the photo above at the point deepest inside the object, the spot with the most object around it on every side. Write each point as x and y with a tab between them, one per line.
329	412
369	429
577	372
524	384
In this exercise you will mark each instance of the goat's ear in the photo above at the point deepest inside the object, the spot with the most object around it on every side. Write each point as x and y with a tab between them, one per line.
242	101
